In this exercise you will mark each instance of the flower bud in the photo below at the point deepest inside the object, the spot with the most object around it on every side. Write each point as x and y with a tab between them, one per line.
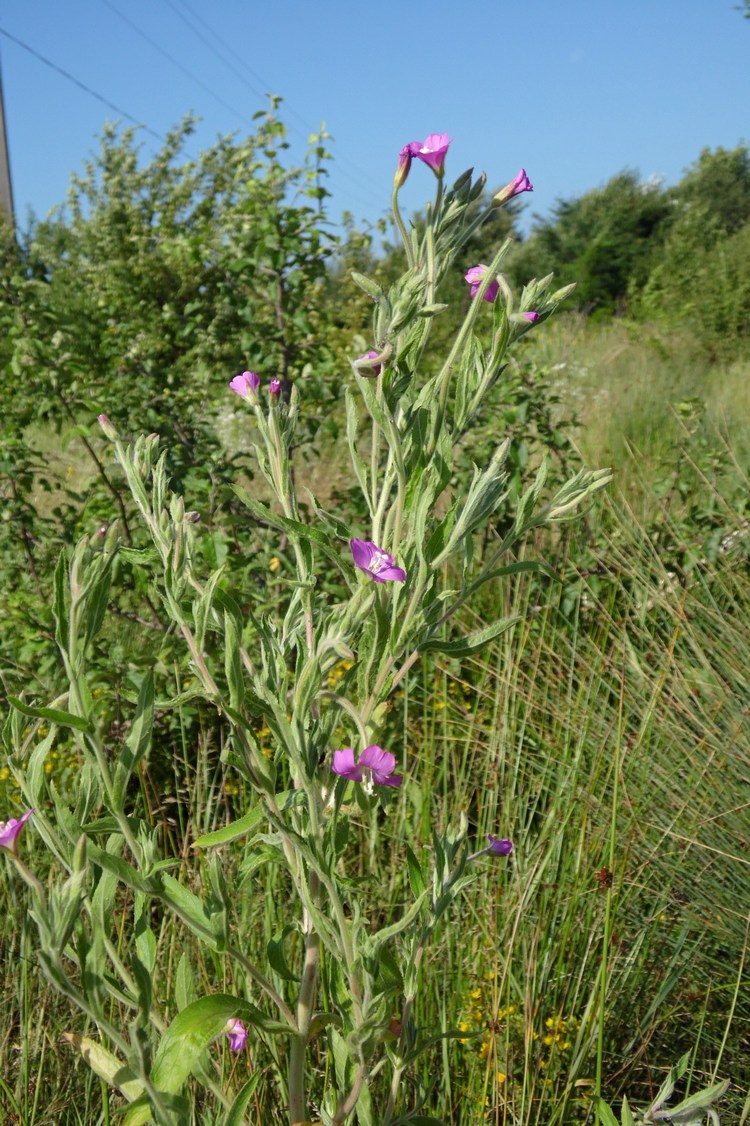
521	183
108	428
404	165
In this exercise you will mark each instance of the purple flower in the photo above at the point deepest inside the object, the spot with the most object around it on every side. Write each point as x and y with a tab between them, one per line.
404	166
432	151
376	562
369	369
375	765
10	830
530	317
475	276
274	387
499	846
237	1034
522	183
245	384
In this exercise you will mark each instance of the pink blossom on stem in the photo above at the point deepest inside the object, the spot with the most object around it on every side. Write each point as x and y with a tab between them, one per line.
475	276
274	387
245	384
10	830
379	564
375	766
532	316
237	1034
432	151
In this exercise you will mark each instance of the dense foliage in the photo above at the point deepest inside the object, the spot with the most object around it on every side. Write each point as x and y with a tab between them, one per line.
142	299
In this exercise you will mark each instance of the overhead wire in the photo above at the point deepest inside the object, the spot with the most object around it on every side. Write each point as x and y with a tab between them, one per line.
81	85
242	115
341	169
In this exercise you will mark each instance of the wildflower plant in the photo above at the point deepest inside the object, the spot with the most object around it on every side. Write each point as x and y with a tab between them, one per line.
363	605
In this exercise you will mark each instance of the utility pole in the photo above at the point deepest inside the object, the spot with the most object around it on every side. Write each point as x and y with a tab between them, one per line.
6	190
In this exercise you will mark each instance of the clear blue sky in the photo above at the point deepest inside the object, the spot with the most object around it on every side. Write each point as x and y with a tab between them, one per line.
572	90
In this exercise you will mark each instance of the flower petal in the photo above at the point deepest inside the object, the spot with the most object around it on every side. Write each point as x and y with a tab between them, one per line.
344	764
376	758
390	575
362	552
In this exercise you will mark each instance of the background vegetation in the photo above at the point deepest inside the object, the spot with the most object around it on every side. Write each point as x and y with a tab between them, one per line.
607	733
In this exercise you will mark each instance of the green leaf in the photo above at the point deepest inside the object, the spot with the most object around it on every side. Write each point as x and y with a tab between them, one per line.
235	1116
107	1066
472	641
190	908
52	715
233	831
277	958
416	876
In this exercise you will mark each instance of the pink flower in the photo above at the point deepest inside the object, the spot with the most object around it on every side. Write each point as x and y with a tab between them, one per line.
369	369
432	151
475	276
522	183
237	1034
375	765
274	387
245	384
531	316
375	562
10	830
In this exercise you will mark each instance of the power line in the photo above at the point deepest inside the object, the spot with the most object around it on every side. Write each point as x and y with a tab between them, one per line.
174	61
241	74
81	85
341	169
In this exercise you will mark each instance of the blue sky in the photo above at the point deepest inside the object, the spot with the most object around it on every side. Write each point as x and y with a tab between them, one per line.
573	92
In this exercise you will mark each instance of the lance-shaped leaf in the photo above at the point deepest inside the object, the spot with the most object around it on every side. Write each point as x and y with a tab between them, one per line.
487	490
106	1065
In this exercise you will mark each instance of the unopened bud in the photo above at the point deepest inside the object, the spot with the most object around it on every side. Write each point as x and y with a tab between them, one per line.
108	428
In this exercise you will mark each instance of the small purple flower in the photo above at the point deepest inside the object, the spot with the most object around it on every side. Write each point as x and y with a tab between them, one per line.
375	766
499	846
369	369
274	387
432	151
376	562
404	166
10	830
475	276
237	1034
531	316
522	183
245	384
